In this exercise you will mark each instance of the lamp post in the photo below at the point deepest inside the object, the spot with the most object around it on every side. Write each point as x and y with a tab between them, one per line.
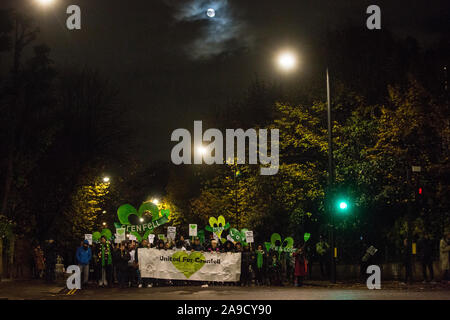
331	181
287	62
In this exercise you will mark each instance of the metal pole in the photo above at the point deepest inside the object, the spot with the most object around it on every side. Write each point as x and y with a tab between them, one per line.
236	196
330	180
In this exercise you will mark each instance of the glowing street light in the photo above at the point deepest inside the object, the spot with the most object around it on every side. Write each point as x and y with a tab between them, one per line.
155	201
45	2
141	220
106	179
104	211
104	223
287	61
201	150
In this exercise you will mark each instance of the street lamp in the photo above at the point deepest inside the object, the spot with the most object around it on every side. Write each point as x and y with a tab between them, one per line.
201	150
287	61
104	224
45	2
155	201
106	179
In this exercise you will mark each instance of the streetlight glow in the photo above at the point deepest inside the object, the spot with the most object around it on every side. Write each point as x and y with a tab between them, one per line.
201	150
45	2
155	201
104	223
106	179
287	61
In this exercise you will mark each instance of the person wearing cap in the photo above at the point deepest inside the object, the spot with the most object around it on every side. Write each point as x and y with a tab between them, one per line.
84	256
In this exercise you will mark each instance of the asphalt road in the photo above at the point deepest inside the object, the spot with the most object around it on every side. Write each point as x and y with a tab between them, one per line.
35	290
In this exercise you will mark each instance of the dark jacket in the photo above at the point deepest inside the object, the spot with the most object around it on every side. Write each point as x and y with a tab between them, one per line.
225	247
425	250
50	254
198	247
121	259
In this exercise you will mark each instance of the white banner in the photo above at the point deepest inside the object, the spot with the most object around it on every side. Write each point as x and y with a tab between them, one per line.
185	265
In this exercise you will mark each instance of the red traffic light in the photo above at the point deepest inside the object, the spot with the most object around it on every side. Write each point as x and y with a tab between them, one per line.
420	190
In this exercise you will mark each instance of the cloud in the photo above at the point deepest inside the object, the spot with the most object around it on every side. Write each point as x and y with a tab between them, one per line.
221	34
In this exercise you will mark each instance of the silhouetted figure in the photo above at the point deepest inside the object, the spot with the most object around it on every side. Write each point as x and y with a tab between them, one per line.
50	255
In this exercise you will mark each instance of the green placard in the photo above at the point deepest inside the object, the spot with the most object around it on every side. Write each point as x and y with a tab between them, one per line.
141	231
286	245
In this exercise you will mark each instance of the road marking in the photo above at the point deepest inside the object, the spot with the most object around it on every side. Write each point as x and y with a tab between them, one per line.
71	292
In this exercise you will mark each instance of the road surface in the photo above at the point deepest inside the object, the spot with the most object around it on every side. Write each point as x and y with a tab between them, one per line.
37	290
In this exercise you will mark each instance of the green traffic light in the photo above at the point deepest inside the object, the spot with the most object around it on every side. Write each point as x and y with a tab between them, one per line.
343	205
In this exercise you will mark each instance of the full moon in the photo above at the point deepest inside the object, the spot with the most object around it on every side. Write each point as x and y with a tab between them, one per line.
211	13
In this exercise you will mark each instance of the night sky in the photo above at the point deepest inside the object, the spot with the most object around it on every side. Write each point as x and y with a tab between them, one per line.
174	65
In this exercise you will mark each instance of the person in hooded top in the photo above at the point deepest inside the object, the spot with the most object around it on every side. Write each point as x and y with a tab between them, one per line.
84	256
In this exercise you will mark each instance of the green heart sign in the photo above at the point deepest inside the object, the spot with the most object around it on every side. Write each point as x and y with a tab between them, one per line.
239	236
158	218
217	226
105	232
306	236
188	264
287	245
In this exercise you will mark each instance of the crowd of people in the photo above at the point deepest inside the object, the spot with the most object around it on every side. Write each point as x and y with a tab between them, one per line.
118	263
105	263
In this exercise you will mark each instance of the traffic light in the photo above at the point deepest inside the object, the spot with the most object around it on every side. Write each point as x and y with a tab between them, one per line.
419	196
342	205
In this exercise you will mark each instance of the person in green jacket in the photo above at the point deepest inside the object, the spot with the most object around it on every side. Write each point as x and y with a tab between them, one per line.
105	257
259	265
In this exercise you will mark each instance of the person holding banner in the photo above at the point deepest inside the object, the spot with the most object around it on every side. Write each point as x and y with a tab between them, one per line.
133	270
246	261
228	246
159	246
197	246
213	248
146	282
122	256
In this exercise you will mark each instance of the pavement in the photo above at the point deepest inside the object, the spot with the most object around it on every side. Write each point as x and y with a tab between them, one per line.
313	290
